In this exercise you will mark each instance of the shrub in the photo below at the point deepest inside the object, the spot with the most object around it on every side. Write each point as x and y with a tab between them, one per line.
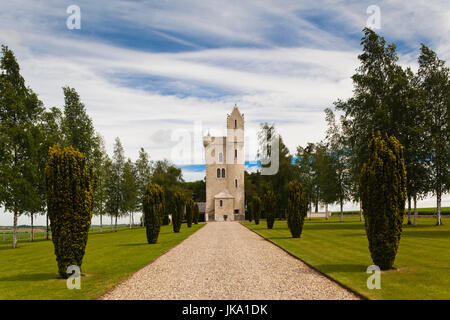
383	194
297	208
177	214
256	208
189	212
153	207
250	211
269	208
196	213
69	202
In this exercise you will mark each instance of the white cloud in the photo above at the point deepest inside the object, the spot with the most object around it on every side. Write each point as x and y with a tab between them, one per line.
282	62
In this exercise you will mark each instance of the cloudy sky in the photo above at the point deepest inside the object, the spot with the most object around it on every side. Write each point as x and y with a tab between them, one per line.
155	73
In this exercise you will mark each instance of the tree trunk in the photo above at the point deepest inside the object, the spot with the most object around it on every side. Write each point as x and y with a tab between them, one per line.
115	224
46	228
130	220
101	223
415	210
326	211
409	209
111	223
15	230
360	211
438	214
31	232
316	207
342	210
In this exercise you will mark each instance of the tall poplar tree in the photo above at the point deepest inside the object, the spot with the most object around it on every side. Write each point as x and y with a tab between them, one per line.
101	161
77	126
129	191
143	174
435	98
114	182
20	110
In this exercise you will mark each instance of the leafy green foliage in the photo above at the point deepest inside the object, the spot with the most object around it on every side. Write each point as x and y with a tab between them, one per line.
270	204
383	195
286	169
153	207
77	126
114	200
198	189
297	208
69	202
128	188
143	169
170	178
434	97
20	138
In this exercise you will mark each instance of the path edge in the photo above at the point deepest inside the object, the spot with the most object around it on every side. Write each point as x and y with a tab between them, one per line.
132	274
356	293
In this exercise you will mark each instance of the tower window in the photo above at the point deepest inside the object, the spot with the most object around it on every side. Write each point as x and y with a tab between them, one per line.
235	183
235	124
235	153
221	203
223	173
218	173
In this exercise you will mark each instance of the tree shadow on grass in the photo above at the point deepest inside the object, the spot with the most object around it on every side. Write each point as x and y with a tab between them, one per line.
335	226
32	277
341	267
281	238
133	244
428	234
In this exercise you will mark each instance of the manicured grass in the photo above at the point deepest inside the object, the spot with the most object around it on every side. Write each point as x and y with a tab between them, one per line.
420	211
341	251
30	271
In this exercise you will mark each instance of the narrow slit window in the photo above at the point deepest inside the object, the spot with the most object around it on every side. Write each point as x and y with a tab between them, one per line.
223	173
218	173
221	203
235	183
235	153
235	124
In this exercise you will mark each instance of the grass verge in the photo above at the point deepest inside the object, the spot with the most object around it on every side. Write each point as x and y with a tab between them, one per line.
30	271
341	251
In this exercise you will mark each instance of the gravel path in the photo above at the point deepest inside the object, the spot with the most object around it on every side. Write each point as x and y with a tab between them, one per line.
225	260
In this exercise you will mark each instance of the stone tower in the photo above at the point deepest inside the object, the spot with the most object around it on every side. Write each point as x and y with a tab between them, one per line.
225	158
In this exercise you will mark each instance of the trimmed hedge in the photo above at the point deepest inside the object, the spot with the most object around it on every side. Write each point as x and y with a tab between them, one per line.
297	208
256	208
153	207
178	212
70	200
189	212
250	211
270	203
196	213
383	195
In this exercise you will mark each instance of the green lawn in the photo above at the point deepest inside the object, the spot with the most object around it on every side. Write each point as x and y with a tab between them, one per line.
420	211
30	271
341	251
